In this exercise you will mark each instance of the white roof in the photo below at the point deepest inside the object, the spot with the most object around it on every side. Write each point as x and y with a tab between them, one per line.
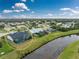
10	38
36	30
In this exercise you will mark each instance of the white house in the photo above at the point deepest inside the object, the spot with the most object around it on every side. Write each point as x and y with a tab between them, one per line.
36	30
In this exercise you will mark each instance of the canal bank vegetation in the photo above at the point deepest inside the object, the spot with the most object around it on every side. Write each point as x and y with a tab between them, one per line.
5	47
34	44
70	52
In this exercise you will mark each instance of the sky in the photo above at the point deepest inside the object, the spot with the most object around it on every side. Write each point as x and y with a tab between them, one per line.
39	8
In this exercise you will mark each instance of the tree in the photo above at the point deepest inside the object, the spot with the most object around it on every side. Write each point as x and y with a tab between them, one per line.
0	45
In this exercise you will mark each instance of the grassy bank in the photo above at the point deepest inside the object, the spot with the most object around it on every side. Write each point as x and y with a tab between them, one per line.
70	52
34	44
6	48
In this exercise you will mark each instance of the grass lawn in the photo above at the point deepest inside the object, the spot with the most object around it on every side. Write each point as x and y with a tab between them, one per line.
6	48
34	44
70	52
11	55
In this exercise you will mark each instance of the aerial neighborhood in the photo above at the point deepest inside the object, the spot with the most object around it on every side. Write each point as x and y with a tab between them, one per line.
33	28
31	34
39	29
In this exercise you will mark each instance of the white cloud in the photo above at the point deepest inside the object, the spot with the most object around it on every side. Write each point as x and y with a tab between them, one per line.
64	9
26	0
1	16
24	16
77	7
19	16
32	0
13	7
50	14
70	10
18	10
23	0
33	12
66	14
10	11
20	6
7	11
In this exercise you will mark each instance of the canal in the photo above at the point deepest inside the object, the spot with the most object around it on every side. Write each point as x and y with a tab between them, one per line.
52	49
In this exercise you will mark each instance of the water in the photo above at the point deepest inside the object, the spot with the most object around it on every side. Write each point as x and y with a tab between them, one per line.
52	49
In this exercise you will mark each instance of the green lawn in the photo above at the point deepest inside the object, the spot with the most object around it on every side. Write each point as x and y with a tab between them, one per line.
6	48
34	44
70	52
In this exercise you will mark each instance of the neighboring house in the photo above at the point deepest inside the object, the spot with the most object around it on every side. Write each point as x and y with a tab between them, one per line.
58	24
37	32
49	30
41	31
7	27
21	26
68	25
19	37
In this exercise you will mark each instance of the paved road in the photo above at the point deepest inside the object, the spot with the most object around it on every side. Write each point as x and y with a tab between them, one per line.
52	49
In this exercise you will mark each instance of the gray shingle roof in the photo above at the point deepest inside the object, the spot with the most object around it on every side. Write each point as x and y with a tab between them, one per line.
19	37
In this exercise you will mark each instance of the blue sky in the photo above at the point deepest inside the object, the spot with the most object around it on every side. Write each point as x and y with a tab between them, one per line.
38	8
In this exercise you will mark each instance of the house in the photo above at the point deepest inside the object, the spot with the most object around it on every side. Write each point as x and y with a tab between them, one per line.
68	25
58	24
19	37
37	32
41	31
49	30
7	27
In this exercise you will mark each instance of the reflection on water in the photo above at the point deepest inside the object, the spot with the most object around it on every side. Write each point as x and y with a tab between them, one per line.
52	49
